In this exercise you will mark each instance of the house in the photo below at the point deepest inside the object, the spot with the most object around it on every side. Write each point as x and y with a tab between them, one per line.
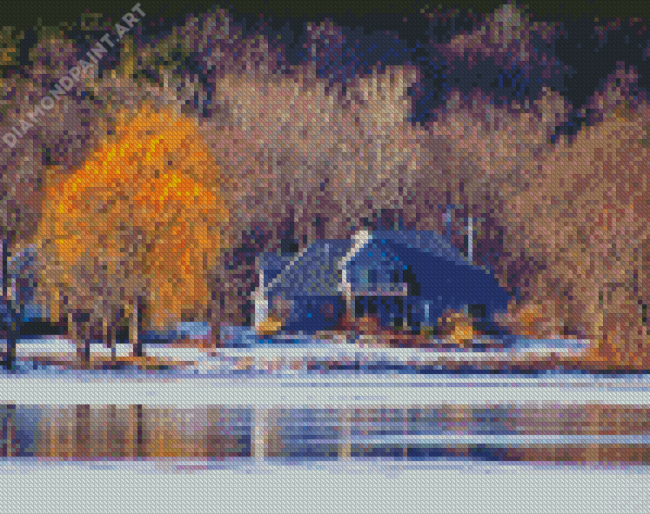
408	279
305	295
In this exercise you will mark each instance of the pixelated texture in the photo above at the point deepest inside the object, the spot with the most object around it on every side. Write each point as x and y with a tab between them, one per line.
433	201
595	434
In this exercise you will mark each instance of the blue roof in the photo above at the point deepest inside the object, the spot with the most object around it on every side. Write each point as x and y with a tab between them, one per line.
435	272
389	254
272	264
314	272
425	241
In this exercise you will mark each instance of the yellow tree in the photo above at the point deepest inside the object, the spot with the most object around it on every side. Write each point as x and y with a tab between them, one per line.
139	221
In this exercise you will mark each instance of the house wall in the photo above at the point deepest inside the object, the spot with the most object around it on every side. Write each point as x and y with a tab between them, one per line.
434	281
312	313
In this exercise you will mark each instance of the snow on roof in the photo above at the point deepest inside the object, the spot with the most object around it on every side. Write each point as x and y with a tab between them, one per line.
272	264
426	241
320	269
314	272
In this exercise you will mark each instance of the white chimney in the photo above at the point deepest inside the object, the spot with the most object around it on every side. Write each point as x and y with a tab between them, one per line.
361	239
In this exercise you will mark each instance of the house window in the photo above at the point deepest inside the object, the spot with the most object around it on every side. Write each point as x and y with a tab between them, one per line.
359	308
327	310
409	316
477	310
372	306
365	277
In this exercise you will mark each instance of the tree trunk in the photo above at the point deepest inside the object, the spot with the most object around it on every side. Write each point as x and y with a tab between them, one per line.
108	334
12	329
80	337
134	326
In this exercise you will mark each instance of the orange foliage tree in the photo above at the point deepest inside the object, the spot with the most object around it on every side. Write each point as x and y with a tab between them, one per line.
139	220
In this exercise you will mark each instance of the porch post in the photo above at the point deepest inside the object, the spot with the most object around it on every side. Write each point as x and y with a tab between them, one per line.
261	301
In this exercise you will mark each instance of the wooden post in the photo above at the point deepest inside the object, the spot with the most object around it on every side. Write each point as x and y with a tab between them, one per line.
84	445
448	221
470	230
84	341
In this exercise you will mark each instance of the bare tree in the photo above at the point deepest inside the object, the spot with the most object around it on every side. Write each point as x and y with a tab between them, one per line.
12	329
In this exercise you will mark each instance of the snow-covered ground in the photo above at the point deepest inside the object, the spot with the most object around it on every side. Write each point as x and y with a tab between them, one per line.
246	355
242	342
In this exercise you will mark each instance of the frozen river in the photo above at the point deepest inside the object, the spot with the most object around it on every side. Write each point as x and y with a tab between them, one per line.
313	402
